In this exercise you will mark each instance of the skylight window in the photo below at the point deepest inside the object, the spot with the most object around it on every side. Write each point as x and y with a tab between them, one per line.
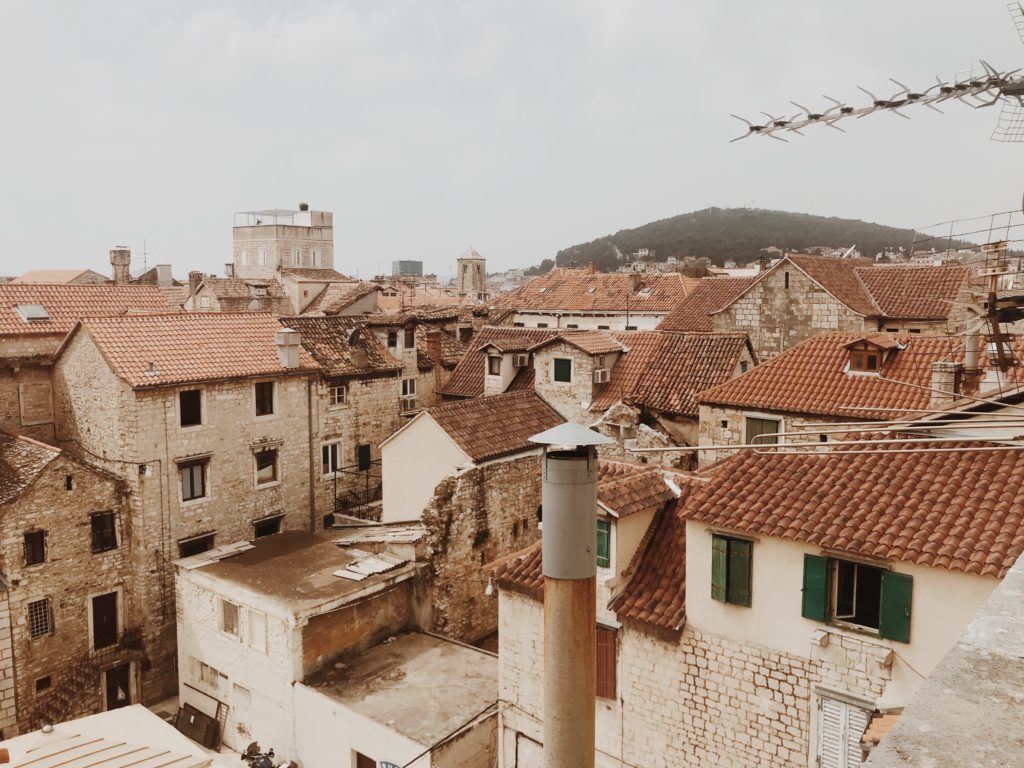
541	290
33	313
590	290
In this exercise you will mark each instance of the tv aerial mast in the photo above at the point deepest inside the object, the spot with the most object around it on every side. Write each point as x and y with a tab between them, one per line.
991	87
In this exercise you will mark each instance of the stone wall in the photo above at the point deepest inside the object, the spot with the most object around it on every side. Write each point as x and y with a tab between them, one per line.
26	400
571	399
8	705
701	700
477	516
69	577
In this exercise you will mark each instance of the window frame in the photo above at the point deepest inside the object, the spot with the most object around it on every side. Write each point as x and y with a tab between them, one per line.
409	337
260	400
494	365
105	544
860	357
331	450
333	400
732	579
252	632
275	520
409	387
392	340
201	405
275	466
222	616
757	417
204	476
606	649
186	543
48	628
604	537
36	534
555	370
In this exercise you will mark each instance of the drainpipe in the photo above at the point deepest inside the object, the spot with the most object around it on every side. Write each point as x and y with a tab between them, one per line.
569	557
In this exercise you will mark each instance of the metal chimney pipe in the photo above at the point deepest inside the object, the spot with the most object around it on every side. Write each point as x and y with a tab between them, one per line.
569	557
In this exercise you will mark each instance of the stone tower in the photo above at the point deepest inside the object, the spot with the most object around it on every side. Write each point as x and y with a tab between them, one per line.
264	241
472	276
121	264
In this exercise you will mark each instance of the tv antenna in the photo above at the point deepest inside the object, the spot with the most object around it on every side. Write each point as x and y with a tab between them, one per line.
990	87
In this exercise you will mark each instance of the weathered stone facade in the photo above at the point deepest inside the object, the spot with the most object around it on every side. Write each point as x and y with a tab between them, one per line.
571	399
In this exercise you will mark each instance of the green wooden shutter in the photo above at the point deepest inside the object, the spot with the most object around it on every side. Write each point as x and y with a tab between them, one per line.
894	619
738	587
815	599
719	563
604	535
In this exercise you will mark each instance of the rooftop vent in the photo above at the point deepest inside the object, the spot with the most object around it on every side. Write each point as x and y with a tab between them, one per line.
591	289
288	342
33	313
541	290
303	206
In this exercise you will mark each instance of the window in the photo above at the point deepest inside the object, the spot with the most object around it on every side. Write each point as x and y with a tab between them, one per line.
606	653
785	280
868	359
258	631
195	545
40	618
204	302
338	394
43	683
263	257
730	570
408	387
604	543
190	406
229	618
410	337
264	398
562	369
914	330
743	366
493	365
757	428
599	361
363	457
330	458
105	623
69	482
245	258
296	259
572	325
724	423
362	761
268	526
603	327
867	597
35	547
392	339
316	258
542	325
840	727
104	531
518	325
892	330
266	466
193	479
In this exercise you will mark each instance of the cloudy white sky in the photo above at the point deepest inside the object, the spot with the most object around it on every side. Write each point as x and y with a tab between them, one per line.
515	127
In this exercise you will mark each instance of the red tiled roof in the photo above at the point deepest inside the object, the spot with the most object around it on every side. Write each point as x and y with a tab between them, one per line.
189	347
625	488
425	313
963	511
337	296
521	572
239	288
665	371
452	349
591	342
67	303
839	277
176	295
694	313
332	340
915	292
585	291
22	460
56	276
810	378
489	427
467	379
314	275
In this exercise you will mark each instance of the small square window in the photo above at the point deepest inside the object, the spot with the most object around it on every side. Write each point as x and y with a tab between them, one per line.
195	545
35	547
40	618
266	466
724	423
392	339
229	618
338	394
493	365
193	479
104	531
204	302
264	398
268	526
43	683
190	407
743	366
562	369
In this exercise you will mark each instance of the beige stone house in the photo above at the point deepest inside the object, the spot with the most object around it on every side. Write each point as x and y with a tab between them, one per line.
34	319
784	602
844	376
235	294
69	614
801	295
209	419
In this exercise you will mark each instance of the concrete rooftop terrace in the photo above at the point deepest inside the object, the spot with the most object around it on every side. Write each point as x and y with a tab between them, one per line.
422	686
294	572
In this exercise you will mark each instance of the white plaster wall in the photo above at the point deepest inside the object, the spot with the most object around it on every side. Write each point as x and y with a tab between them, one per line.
943	603
413	461
328	735
590	322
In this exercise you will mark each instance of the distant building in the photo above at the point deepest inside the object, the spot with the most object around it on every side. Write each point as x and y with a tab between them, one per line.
264	241
406	267
472	277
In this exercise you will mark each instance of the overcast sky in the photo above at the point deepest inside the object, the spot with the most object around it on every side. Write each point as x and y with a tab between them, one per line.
516	127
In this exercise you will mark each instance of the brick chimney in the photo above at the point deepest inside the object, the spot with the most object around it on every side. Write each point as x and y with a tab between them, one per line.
121	264
762	262
288	343
945	383
593	269
634	281
436	352
194	279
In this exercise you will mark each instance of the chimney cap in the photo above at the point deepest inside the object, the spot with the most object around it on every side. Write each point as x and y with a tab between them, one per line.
303	206
570	433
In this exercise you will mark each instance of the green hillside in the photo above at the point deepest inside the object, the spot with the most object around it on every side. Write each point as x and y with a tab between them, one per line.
738	234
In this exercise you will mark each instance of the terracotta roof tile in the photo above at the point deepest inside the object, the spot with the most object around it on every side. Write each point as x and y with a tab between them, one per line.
22	460
694	313
665	371
337	296
452	350
425	313
959	510
585	291
915	292
811	378
521	572
625	488
488	427
239	288
839	277
65	304
190	347
467	379
49	276
591	342
176	295
332	340
314	275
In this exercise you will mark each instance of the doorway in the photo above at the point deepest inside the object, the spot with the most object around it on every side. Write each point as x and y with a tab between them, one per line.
104	620
118	686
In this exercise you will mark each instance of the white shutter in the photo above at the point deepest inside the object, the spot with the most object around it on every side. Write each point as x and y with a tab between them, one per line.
840	728
856	723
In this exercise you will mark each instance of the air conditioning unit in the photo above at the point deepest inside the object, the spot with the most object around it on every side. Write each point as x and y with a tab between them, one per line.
408	403
521	361
602	375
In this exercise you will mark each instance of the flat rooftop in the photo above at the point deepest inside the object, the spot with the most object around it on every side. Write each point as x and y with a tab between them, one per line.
420	685
295	570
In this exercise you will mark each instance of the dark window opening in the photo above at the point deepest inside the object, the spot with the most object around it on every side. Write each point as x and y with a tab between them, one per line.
104	620
35	547
725	423
196	545
857	593
914	330
410	337
518	325
266	466
43	683
603	327
822	438
743	366
264	398
562	369
865	360
785	280
362	761
190	403
268	526
329	458
542	325
572	325
40	618
69	483
363	459
392	339
104	531
630	327
193	479
493	365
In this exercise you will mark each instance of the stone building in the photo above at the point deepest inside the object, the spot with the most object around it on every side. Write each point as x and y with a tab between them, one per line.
304	285
801	295
235	294
847	376
471	276
208	418
589	300
34	319
781	603
264	241
70	613
351	298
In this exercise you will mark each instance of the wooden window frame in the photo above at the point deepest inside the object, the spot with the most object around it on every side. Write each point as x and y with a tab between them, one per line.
330	458
752	439
409	337
275	474
338	394
732	571
204	480
34	543
567	361
494	365
224	610
866	360
605	527
262	405
103	536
